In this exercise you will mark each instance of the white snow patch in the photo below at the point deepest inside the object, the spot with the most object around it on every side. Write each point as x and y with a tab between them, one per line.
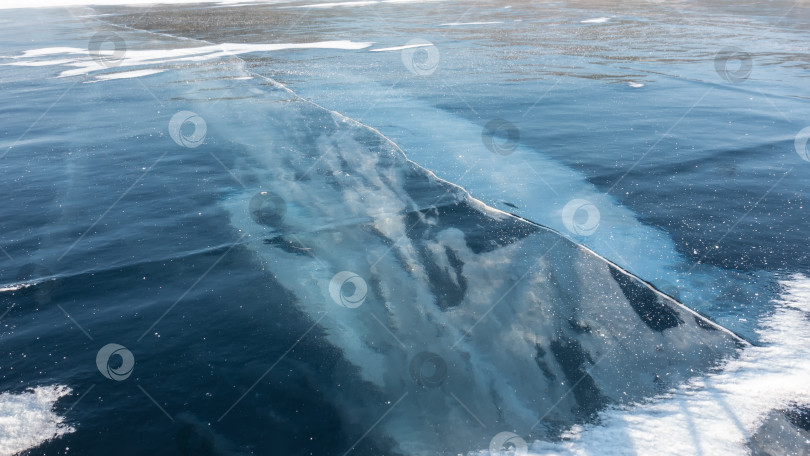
127	74
14	287
399	48
450	24
27	419
596	20
84	63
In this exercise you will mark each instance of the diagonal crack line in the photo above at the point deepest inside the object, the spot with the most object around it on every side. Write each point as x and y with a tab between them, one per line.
618	343
659	140
284	355
199	279
337	139
421	218
3	315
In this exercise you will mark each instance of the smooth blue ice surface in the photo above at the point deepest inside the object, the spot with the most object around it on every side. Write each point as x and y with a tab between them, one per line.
401	228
